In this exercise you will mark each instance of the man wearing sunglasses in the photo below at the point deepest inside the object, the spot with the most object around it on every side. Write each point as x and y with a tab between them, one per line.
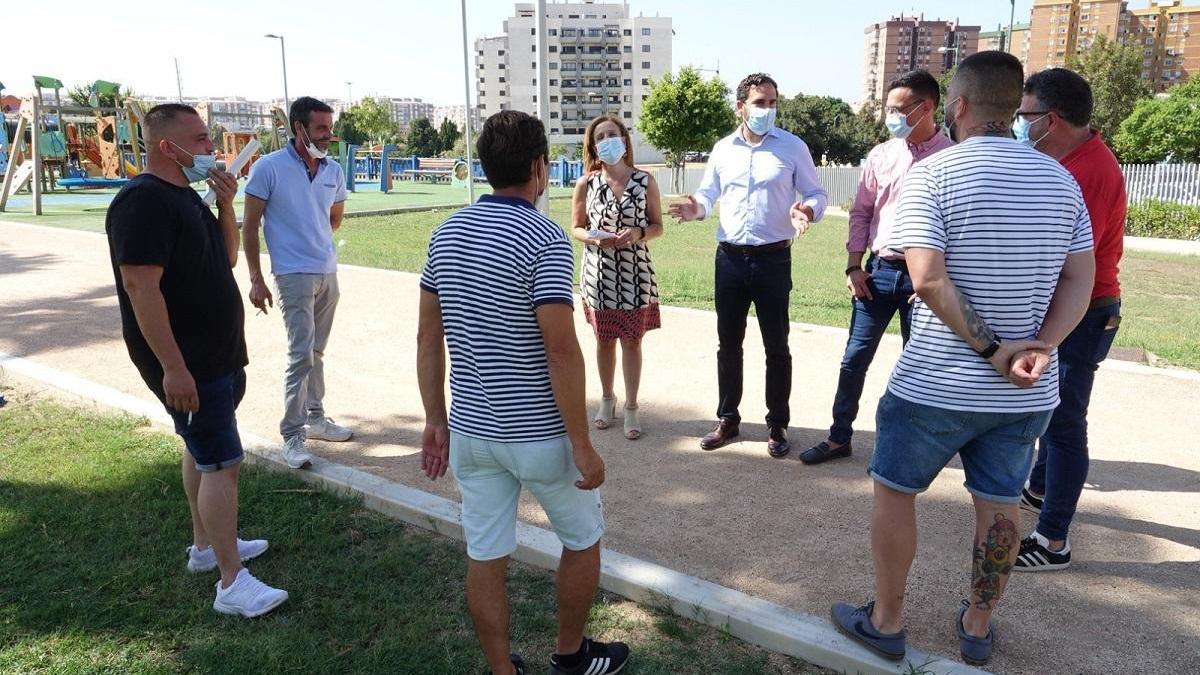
1055	117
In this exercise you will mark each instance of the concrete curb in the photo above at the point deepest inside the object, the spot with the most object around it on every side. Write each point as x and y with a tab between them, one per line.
744	616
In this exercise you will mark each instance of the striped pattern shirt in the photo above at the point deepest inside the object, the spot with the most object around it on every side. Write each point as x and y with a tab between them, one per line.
1006	217
491	265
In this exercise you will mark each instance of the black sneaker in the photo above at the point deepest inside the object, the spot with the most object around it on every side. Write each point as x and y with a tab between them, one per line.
517	662
1036	556
1031	502
599	658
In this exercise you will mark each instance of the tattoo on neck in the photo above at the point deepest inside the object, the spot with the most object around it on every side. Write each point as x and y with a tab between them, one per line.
992	563
976	327
993	128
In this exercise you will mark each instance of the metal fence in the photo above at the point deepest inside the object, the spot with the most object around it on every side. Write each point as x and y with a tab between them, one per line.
1178	183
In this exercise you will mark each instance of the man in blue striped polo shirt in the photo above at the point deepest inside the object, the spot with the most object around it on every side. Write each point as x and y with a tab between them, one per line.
999	247
497	289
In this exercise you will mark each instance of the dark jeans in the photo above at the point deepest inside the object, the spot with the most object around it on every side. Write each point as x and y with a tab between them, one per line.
764	279
891	287
1062	463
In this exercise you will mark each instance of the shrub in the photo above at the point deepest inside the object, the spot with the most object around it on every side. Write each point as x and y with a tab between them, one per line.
1163	219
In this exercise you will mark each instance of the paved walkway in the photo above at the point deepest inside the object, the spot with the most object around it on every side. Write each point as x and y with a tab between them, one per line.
792	534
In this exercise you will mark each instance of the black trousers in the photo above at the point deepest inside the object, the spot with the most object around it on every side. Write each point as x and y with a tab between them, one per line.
764	279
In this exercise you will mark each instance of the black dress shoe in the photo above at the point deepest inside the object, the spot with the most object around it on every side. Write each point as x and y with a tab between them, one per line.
721	434
821	452
777	442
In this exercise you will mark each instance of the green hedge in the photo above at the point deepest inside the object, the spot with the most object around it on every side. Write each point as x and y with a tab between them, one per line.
1163	219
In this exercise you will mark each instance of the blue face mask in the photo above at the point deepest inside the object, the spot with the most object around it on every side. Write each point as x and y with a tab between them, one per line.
1021	130
897	124
760	120
611	150
201	164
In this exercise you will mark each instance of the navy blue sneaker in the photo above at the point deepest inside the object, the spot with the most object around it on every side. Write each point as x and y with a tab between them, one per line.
855	622
975	650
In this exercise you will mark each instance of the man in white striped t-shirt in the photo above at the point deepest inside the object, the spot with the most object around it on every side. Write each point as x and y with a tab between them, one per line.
497	290
999	246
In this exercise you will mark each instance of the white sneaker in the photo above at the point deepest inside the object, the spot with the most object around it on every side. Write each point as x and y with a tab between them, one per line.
294	454
325	429
206	560
248	596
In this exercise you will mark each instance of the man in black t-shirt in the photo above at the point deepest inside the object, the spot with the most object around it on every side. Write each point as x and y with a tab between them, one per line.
182	319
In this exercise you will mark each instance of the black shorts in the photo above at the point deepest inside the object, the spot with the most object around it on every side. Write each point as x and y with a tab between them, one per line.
210	433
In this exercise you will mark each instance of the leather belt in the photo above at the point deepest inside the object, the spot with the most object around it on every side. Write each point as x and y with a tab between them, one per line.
755	250
1104	301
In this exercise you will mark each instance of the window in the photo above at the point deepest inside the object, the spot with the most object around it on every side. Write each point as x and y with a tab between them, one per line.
533	65
533	81
645	65
569	65
627	114
627	83
627	65
628	49
628	98
553	31
569	32
501	66
553	65
533	48
646	49
645	83
482	92
568	49
627	32
500	52
481	80
553	99
503	92
554	130
502	79
645	31
482	66
533	31
612	50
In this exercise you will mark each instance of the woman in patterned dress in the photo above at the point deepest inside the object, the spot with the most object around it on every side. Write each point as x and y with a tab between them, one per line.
615	211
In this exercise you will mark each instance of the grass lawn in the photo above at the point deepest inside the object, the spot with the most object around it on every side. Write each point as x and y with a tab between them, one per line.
93	527
1161	291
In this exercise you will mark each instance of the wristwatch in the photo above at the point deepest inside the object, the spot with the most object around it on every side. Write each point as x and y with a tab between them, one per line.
852	268
989	350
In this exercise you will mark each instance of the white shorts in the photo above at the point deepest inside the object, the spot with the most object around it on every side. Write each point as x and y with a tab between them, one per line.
490	476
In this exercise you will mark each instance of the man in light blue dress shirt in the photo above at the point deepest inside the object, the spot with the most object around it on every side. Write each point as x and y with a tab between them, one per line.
755	174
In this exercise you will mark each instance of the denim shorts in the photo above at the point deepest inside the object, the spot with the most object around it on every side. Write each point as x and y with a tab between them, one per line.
490	476
211	435
914	442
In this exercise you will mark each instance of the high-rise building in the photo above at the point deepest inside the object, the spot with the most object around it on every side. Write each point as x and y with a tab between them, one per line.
996	40
906	43
454	113
1063	28
600	60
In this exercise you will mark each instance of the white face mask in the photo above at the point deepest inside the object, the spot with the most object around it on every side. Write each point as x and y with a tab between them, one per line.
313	150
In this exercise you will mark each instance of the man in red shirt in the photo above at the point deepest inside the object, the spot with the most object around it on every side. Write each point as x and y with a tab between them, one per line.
1055	117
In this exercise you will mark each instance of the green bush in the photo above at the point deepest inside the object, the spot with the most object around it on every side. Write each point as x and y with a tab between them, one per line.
1163	219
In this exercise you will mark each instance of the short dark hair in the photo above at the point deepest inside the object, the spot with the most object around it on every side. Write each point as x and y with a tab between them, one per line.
754	80
161	116
992	83
1065	92
508	144
303	108
921	83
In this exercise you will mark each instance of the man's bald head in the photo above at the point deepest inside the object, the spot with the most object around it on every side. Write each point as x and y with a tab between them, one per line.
991	82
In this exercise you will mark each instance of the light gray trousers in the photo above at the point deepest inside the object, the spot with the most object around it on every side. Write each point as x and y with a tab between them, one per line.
307	302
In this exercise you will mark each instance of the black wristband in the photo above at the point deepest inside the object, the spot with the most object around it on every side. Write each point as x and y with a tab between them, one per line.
989	350
852	268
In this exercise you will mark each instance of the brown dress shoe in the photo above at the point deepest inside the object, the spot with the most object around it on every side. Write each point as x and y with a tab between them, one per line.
777	442
721	434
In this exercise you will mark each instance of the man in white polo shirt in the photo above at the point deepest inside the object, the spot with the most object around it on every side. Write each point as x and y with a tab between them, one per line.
299	195
999	246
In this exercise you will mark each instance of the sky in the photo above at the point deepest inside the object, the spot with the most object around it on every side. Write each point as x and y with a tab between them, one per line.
414	47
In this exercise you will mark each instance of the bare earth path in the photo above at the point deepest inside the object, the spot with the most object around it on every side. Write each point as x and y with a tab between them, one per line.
774	528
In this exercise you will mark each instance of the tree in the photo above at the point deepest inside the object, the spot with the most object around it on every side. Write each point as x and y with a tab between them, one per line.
1162	127
829	127
81	95
422	139
685	113
939	115
374	119
447	134
347	129
558	151
1114	70
216	134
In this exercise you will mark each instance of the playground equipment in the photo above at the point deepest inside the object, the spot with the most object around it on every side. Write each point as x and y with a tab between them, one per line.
17	173
383	164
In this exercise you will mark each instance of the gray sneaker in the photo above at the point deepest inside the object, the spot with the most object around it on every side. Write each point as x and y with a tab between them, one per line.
855	623
975	650
325	429
294	454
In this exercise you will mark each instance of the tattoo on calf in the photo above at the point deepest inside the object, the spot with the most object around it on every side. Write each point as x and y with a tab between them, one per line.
976	327
992	562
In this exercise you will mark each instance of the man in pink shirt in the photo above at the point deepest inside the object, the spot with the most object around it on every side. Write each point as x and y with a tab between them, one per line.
882	287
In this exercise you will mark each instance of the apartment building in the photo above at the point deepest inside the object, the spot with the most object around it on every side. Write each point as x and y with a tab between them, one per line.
995	40
600	59
233	113
1062	28
454	113
905	43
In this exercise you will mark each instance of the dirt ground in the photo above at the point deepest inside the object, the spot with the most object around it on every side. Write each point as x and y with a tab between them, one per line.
777	529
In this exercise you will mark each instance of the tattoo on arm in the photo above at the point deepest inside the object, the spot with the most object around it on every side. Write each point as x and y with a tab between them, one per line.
976	327
992	563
